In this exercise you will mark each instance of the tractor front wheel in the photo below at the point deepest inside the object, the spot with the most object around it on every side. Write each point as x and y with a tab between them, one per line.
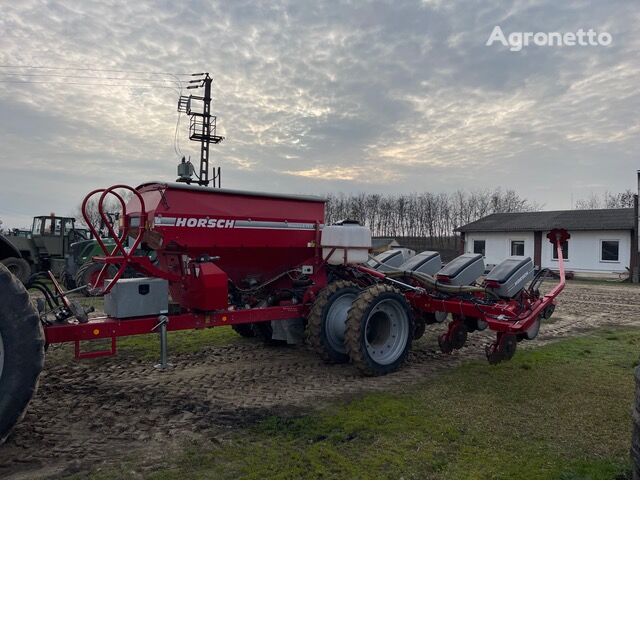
19	267
21	351
379	330
327	320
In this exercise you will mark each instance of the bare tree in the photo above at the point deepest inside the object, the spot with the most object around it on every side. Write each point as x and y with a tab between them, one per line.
607	200
425	215
111	207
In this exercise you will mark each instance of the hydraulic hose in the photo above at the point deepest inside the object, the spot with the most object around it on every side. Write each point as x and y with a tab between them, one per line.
431	283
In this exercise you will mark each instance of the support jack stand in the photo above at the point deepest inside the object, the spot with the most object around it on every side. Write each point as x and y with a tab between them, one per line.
161	327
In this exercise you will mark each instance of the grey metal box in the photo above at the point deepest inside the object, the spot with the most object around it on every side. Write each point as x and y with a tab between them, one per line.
391	259
510	276
427	262
134	297
463	270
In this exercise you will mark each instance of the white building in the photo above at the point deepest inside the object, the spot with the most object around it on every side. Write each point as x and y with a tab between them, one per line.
603	241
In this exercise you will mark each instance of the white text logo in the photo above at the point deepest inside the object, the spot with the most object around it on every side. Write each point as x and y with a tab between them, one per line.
516	40
204	223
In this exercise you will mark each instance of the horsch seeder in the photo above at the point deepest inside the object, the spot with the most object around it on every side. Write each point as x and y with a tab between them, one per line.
266	265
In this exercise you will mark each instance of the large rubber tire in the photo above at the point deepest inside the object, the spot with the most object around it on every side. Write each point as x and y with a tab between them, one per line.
21	351
635	453
379	330
327	320
19	267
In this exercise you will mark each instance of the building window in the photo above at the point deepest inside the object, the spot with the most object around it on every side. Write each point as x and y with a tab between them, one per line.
517	247
610	251
479	247
565	250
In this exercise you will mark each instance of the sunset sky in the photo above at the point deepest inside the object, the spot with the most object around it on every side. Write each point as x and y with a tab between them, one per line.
317	97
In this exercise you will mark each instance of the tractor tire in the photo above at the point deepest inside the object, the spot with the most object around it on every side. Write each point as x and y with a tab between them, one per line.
19	267
244	330
87	276
379	330
635	452
21	351
327	321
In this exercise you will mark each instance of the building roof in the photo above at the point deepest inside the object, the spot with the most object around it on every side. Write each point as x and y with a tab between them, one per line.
572	220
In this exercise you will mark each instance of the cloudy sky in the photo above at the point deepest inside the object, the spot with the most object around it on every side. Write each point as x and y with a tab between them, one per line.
317	96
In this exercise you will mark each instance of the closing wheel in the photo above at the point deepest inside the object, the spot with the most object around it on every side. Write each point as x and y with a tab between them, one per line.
327	321
420	326
21	351
379	330
502	349
454	338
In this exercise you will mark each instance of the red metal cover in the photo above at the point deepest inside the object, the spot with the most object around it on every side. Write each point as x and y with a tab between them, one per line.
254	234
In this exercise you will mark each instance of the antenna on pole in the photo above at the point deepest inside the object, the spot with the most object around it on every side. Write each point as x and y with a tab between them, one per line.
202	127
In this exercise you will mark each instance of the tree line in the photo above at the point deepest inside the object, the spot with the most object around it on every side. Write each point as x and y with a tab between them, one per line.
607	200
426	215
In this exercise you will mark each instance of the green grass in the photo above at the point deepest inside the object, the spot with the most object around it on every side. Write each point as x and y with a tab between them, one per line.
558	411
147	347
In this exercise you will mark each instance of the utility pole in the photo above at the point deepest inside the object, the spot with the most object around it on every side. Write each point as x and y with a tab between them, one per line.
202	128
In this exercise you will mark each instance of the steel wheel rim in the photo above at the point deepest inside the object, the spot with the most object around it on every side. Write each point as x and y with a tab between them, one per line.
1	355
336	320
386	332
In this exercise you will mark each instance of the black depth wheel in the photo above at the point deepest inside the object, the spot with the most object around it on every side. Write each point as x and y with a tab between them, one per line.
327	321
21	351
420	328
244	330
379	330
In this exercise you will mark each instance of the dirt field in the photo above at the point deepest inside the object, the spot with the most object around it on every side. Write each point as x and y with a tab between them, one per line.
93	413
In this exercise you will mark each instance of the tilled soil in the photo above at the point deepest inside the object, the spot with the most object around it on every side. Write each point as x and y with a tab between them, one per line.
92	414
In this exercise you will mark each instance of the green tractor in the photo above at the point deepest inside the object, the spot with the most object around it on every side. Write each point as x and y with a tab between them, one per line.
81	270
55	244
45	248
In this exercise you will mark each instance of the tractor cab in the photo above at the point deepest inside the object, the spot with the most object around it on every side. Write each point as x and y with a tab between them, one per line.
53	235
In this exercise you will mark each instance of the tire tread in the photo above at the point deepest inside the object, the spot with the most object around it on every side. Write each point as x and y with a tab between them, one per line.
353	334
25	351
313	330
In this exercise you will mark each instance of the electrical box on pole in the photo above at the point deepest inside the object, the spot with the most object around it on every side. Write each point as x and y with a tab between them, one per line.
202	128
